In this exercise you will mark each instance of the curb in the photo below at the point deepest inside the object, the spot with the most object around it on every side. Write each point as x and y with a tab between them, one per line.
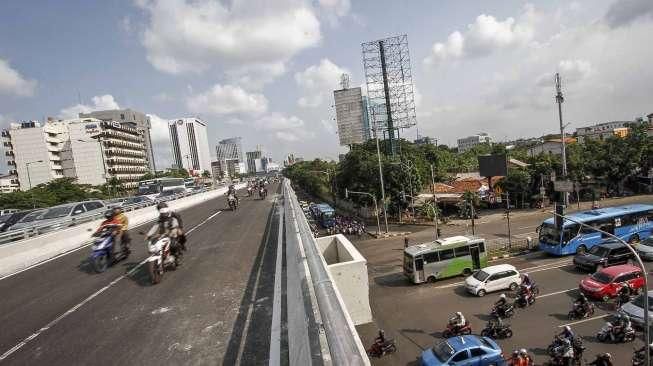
504	256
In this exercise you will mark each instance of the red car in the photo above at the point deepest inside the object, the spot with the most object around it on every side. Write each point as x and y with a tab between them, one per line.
606	283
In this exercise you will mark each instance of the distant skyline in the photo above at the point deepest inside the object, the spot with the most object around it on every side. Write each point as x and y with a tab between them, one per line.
266	70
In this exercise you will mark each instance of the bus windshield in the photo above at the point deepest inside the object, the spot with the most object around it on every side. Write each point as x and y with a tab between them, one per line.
408	262
549	234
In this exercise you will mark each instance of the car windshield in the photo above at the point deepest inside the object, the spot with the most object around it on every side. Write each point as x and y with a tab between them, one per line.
639	302
601	277
481	275
599	251
31	217
4	218
443	351
57	212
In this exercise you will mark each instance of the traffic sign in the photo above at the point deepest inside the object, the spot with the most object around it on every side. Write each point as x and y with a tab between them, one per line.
563	186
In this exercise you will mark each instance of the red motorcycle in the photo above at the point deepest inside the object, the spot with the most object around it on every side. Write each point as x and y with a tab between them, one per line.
455	330
382	346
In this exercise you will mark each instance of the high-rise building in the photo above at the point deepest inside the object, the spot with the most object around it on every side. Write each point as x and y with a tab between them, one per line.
98	151
190	144
351	116
254	161
469	142
34	152
139	119
230	148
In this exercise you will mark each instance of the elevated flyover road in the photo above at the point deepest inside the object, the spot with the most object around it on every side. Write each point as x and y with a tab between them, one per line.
62	313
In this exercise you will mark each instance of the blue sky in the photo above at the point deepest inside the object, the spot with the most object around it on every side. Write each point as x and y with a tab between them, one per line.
265	70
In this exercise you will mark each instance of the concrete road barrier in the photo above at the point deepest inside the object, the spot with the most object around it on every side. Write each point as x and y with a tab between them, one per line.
23	254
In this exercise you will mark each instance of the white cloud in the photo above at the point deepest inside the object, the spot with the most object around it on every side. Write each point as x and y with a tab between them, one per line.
227	99
624	12
332	10
194	36
159	129
571	71
286	136
99	103
317	83
13	83
484	37
329	126
277	121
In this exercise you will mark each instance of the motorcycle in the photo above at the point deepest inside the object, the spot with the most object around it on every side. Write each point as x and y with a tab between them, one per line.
249	191
524	300
232	202
580	312
508	312
496	331
560	352
161	257
381	348
639	356
262	193
102	249
607	333
454	330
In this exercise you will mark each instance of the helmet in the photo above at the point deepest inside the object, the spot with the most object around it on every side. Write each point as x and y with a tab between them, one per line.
108	214
523	352
567	329
165	212
625	317
526	276
515	353
607	355
161	205
503	296
458	313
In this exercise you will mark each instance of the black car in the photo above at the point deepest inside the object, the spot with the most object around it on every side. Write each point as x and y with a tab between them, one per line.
6	221
603	255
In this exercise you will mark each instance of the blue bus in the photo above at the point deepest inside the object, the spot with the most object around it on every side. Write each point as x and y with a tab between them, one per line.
324	214
631	223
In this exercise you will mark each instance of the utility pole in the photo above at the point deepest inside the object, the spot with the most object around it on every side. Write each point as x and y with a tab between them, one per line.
435	204
508	218
378	154
560	99
471	203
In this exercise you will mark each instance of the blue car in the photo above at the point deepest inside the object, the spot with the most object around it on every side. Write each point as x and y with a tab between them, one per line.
469	350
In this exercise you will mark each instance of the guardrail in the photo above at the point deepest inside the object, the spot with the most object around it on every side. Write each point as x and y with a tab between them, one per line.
342	339
43	228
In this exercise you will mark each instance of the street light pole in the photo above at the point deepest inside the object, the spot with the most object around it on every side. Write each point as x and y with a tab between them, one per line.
644	272
29	180
376	207
435	204
559	100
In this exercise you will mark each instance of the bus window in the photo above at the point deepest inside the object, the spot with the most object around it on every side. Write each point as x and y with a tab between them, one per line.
461	251
419	264
481	246
570	232
431	257
446	254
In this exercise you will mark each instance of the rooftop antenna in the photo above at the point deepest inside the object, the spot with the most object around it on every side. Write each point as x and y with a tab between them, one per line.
344	81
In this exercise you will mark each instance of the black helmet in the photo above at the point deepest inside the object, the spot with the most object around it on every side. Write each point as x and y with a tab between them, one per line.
108	214
161	205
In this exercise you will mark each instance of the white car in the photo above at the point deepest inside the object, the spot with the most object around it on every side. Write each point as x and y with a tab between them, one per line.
493	278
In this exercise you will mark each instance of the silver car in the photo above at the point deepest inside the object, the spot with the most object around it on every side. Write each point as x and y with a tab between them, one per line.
29	220
645	249
65	215
635	309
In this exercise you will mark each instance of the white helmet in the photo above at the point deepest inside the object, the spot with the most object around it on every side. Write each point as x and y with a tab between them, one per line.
503	296
458	313
567	328
164	211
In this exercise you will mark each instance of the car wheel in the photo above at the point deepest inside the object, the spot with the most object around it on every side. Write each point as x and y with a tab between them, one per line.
605	298
480	293
431	279
581	249
513	286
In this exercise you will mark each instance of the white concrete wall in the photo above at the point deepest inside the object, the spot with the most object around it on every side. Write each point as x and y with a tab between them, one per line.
22	254
348	271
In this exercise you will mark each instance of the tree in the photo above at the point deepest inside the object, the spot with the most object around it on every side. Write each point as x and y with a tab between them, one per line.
206	174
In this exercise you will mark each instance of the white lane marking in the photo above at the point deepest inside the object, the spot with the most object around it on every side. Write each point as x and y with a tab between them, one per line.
553	265
557	292
94	295
275	331
526	227
585	320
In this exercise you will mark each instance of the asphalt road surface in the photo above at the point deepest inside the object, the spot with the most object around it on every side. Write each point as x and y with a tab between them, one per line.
215	309
415	315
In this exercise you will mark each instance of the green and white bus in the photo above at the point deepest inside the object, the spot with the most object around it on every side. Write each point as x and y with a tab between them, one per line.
444	258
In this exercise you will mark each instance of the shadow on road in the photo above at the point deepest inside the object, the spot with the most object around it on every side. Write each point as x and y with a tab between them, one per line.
141	277
407	333
393	280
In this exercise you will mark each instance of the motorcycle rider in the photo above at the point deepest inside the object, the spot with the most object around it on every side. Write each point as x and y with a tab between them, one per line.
501	306
122	235
527	359
166	225
180	229
624	294
526	281
457	321
232	192
602	359
567	334
110	219
581	305
620	326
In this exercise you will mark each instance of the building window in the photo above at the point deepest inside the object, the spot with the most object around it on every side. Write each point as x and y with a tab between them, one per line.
122	116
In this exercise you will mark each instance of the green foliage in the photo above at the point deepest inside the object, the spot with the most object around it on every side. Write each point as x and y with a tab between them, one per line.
206	174
53	193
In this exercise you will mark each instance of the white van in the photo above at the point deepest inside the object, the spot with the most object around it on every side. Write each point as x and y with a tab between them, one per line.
493	278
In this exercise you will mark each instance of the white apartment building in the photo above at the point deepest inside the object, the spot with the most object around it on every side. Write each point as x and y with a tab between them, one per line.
469	142
230	148
190	144
34	152
552	147
602	131
8	184
100	150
